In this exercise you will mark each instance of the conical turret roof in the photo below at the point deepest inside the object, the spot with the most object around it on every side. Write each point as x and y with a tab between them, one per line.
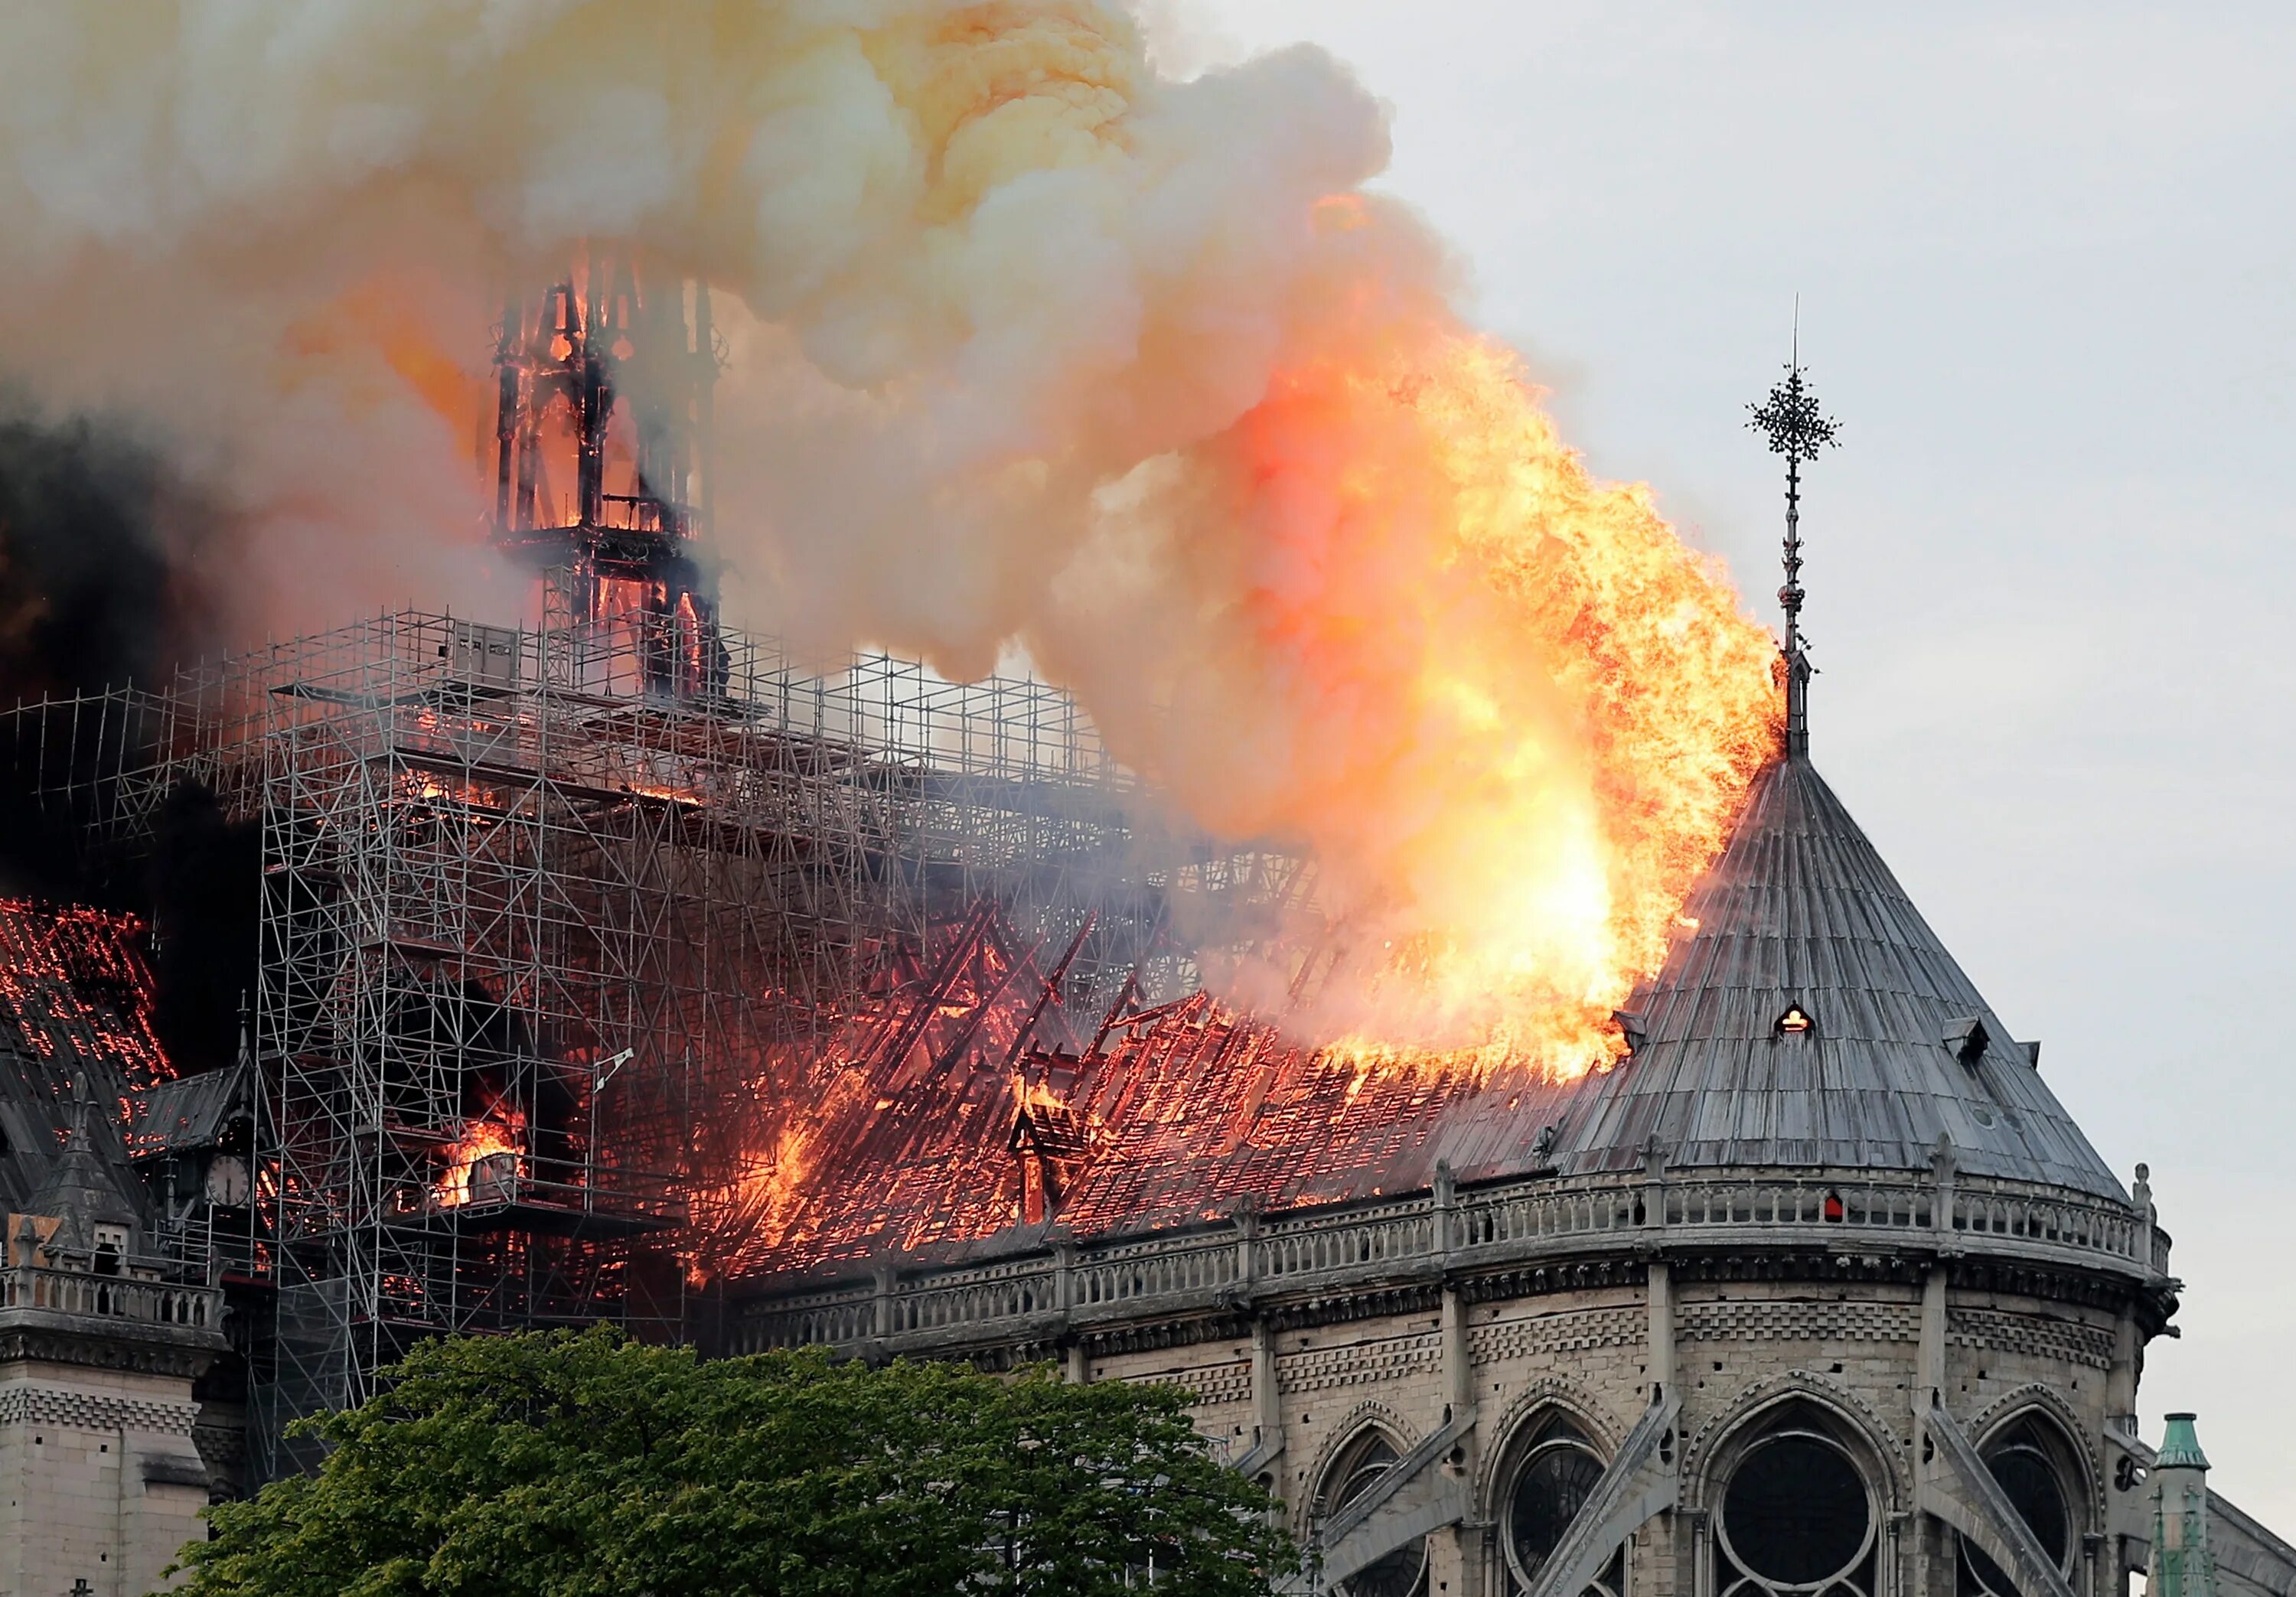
80	1188
1800	920
2180	1447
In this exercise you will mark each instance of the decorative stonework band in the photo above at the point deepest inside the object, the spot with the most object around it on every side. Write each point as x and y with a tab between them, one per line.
26	1405
1790	1322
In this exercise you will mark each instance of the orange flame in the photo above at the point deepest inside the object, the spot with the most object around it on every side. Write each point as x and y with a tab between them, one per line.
771	1183
1035	1095
1515	713
488	1150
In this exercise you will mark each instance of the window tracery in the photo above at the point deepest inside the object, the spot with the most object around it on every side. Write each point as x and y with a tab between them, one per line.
1797	1516
1558	1471
1357	1469
2026	1460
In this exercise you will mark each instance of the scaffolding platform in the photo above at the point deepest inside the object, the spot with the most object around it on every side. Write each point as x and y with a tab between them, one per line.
553	1220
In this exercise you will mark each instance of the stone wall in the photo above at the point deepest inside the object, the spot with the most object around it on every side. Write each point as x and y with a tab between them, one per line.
104	1484
1674	1338
1739	1349
104	1477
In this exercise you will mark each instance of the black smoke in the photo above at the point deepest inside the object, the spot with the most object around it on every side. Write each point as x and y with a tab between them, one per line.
200	887
100	544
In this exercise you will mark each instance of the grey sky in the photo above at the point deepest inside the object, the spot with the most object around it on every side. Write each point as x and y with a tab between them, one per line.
2047	262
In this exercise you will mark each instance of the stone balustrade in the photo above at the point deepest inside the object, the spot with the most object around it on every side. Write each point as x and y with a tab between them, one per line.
1429	1235
110	1297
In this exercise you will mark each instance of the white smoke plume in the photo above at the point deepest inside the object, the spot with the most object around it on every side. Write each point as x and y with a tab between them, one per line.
1030	345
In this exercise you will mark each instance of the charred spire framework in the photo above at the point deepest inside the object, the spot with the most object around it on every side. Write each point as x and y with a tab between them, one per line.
605	388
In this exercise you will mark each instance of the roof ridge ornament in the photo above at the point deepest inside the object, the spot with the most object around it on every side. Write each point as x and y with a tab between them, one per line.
1790	421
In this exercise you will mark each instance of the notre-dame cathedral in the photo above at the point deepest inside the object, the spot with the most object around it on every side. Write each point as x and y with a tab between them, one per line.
1815	1292
1819	1290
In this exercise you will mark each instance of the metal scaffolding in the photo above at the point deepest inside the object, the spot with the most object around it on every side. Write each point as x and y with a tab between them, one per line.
540	941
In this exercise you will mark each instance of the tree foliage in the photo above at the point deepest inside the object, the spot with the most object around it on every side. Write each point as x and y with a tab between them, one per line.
563	1465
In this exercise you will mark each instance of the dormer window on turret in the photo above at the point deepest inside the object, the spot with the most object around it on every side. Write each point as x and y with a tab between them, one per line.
1968	1039
1795	1022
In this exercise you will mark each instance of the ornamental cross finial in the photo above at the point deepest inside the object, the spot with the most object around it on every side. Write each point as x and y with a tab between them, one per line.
1794	426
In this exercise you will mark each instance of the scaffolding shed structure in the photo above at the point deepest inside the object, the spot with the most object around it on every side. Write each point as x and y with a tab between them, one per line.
543	946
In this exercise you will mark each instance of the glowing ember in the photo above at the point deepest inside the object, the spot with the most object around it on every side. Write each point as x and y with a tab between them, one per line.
484	1165
76	984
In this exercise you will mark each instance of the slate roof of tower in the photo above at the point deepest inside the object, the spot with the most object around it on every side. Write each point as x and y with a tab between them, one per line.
1195	1111
194	1111
1800	910
81	1185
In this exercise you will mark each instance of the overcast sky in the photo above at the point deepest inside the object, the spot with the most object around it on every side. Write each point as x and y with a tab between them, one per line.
2046	256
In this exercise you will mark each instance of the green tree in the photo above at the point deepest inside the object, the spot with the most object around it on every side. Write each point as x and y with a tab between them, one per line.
564	1465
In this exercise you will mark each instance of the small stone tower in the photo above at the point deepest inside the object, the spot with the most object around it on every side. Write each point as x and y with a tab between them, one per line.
2180	1565
99	1347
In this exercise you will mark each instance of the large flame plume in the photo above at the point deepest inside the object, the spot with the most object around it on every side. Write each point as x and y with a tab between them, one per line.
1032	347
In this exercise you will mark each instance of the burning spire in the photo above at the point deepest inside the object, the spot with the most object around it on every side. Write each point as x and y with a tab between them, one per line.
601	472
1791	421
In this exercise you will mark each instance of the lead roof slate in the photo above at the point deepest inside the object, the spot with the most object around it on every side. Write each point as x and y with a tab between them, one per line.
1800	910
192	1112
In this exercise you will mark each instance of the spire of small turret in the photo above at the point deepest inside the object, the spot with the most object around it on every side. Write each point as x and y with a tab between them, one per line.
1795	427
2180	1448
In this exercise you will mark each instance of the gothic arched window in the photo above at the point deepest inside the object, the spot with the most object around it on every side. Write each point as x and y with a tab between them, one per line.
2026	1461
1797	1517
1557	1474
1360	1465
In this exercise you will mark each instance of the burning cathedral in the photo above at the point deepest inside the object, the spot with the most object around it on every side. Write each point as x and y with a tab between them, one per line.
620	968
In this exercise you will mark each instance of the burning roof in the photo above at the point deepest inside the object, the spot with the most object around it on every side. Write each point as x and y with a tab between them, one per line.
943	1132
1179	1115
74	984
75	1004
